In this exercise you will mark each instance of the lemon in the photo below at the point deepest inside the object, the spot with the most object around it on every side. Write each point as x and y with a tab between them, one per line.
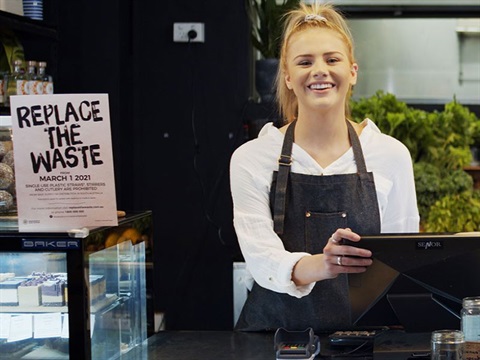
131	234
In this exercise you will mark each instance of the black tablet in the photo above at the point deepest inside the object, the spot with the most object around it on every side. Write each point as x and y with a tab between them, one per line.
417	281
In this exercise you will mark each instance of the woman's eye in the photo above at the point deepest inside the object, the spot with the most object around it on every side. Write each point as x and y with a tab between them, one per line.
304	63
332	60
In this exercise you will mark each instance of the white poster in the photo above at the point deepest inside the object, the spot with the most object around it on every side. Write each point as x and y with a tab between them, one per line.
63	162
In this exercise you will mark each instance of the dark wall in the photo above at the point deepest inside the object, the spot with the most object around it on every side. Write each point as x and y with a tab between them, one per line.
177	113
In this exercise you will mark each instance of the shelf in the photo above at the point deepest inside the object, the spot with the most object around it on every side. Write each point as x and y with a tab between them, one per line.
27	26
33	309
101	304
39	39
474	171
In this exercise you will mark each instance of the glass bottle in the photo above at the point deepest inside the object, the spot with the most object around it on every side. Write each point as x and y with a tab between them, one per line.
47	79
31	76
16	82
448	345
470	320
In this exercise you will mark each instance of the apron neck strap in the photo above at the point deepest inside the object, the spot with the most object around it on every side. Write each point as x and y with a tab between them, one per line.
284	164
357	149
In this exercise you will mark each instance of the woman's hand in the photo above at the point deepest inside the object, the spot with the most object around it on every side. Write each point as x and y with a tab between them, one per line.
335	259
341	258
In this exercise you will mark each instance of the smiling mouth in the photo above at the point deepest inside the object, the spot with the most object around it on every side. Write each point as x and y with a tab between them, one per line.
321	86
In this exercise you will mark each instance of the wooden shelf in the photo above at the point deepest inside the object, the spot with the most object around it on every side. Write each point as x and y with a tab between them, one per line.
474	171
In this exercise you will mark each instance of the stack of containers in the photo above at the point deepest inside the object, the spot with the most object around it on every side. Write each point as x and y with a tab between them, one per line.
33	9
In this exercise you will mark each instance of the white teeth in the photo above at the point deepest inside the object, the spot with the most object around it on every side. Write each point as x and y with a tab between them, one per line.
321	86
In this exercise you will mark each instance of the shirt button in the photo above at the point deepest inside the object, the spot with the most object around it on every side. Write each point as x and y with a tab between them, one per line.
344	215
308	214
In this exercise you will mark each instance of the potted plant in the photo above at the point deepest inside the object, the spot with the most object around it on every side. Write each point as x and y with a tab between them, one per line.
266	18
439	143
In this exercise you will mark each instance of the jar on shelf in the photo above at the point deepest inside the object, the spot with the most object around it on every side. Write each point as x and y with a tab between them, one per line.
470	320
448	345
8	198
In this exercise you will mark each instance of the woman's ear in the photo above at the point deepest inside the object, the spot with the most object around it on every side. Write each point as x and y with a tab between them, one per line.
288	83
354	72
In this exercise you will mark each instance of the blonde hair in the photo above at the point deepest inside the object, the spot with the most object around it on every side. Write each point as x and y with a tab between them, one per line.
297	20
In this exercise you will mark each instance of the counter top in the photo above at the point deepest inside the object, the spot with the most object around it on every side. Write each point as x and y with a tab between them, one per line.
231	345
208	345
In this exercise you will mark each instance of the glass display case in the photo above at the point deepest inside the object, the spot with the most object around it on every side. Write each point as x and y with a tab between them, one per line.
77	295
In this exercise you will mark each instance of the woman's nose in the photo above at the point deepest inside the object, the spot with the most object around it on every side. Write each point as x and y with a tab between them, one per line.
320	70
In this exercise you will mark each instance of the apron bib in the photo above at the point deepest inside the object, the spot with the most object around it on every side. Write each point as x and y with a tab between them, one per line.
306	210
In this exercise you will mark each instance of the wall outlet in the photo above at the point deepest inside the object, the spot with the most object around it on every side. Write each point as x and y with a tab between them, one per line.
189	32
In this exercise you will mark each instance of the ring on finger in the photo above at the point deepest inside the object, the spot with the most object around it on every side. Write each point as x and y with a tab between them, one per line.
335	241
339	260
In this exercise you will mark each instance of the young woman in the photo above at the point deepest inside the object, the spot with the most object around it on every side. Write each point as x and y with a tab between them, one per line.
299	190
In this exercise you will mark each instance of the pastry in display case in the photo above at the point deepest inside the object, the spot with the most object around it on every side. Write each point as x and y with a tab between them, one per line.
43	310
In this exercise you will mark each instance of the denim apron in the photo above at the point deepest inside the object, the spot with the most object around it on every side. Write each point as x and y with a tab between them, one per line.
306	210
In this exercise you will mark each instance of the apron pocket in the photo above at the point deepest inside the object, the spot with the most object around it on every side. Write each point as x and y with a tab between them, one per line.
319	227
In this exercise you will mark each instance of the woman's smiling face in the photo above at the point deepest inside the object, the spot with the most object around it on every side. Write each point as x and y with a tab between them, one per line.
318	69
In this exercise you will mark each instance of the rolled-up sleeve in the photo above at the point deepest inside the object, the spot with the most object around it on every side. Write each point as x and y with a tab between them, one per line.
266	258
